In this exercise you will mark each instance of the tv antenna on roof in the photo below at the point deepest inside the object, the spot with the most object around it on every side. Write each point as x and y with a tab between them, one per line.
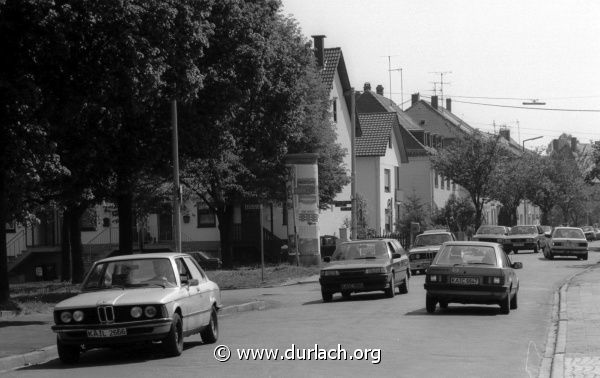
401	81
442	82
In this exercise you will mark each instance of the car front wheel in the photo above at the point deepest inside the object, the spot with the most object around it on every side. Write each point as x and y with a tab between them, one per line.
505	304
68	354
211	332
514	302
403	288
327	297
173	343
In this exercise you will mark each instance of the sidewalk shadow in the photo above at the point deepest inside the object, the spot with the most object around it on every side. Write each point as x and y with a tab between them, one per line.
353	298
17	323
111	357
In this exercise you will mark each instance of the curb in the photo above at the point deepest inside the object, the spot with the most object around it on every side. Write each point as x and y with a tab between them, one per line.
48	353
560	321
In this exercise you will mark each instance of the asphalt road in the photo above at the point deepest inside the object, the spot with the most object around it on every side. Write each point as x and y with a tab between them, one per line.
462	341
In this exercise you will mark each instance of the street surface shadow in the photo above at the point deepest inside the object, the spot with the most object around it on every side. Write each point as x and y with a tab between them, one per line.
111	357
19	324
565	258
337	298
460	311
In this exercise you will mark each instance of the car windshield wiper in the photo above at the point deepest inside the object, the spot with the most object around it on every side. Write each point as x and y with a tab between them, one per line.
366	258
480	263
153	283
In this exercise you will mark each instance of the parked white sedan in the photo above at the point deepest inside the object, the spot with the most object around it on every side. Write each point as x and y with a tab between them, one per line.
155	297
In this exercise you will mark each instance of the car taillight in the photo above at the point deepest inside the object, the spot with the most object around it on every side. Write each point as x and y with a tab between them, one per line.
494	280
435	278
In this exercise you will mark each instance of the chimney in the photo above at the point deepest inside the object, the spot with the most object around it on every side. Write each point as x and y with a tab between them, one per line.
414	98
319	50
505	133
434	102
449	104
367	87
379	89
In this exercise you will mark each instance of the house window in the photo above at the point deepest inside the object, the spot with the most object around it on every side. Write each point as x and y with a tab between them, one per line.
206	218
436	178
442	182
334	109
448	183
453	186
284	214
387	180
397	173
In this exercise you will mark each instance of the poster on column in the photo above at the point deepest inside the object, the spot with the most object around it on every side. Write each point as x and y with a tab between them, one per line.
305	208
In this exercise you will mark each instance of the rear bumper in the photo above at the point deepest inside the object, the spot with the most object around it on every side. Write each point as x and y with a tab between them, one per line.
153	330
567	252
420	264
371	282
478	295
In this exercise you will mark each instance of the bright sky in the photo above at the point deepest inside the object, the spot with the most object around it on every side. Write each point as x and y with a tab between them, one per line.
492	50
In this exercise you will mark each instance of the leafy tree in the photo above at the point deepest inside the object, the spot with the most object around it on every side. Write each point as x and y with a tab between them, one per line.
470	162
413	210
262	99
458	214
27	158
510	182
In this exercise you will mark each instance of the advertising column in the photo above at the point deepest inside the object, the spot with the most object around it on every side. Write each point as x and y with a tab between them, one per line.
303	208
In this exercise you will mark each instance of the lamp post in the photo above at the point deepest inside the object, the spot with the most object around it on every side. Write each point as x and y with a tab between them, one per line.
525	201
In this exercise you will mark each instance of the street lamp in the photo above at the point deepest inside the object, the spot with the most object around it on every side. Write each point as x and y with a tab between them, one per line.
525	140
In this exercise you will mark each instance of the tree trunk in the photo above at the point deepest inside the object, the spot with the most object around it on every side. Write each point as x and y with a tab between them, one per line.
125	205
4	285
225	218
65	255
544	218
76	246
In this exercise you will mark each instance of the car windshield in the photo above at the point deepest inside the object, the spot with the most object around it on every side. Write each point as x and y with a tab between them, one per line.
431	239
516	230
569	233
366	250
491	230
131	273
466	255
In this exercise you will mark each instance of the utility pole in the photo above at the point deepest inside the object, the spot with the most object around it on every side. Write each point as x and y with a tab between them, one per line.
177	189
353	165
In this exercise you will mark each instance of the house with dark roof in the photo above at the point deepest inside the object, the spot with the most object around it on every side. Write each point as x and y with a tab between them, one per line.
414	176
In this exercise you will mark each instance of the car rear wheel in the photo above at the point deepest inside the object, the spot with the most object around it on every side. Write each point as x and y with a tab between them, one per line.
413	272
173	343
516	251
505	304
68	354
391	291
536	248
549	256
585	257
327	297
443	304
514	302
403	288
346	294
211	332
430	304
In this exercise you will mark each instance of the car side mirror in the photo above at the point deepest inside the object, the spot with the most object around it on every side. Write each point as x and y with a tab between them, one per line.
396	255
327	259
193	282
547	235
517	265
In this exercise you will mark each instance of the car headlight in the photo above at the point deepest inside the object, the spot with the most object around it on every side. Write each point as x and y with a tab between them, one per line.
375	270
78	316
496	280
433	278
66	317
150	311
330	273
136	312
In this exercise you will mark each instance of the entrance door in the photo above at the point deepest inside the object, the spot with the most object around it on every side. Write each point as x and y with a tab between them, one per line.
165	224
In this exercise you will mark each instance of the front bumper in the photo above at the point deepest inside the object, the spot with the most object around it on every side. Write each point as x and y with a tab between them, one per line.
567	252
459	294
138	331
420	264
357	283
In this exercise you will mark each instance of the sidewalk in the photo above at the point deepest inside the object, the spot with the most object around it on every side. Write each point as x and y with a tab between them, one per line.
577	349
28	339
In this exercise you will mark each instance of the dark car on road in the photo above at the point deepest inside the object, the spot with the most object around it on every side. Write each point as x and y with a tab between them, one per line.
525	237
472	272
365	265
425	247
492	234
567	241
590	233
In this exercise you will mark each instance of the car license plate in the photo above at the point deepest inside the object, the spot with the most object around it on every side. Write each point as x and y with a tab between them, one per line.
349	286
464	280
519	244
113	332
